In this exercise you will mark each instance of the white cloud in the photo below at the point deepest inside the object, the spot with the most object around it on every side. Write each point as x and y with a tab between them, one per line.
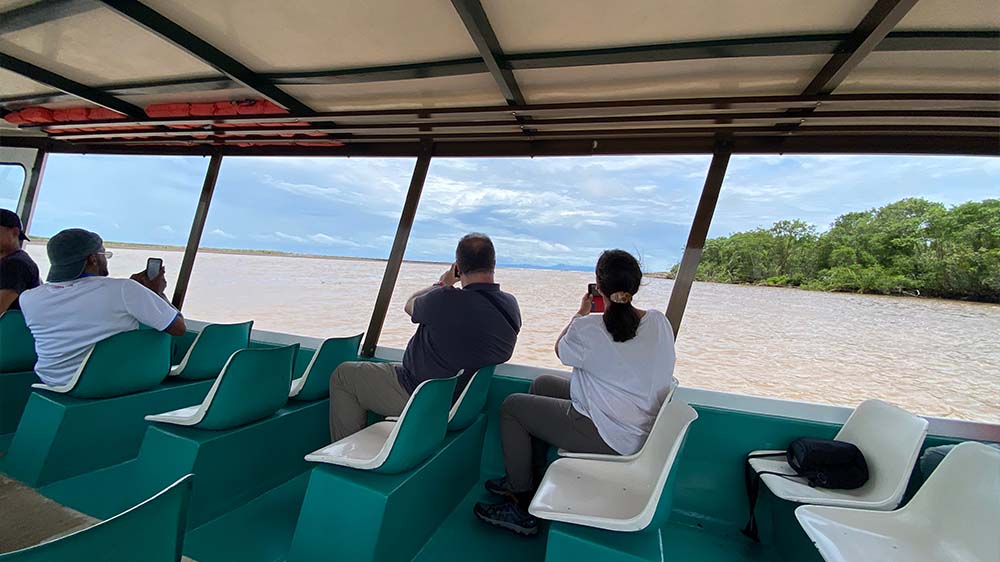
289	237
321	238
166	228
599	222
222	234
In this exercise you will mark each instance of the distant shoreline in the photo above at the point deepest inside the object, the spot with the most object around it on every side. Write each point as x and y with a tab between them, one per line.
40	241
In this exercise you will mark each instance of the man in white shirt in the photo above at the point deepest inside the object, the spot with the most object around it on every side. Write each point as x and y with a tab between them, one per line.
80	305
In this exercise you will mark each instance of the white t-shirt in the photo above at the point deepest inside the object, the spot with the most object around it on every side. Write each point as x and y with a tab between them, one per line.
620	386
67	318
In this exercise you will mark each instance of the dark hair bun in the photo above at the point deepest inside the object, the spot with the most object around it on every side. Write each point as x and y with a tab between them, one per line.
618	271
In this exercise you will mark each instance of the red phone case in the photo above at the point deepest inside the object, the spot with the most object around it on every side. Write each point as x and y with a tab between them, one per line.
597	304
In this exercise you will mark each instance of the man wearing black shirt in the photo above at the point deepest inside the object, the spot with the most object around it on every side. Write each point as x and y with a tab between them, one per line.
18	272
457	329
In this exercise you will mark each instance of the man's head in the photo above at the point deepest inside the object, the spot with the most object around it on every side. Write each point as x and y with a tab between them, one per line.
11	231
73	252
475	255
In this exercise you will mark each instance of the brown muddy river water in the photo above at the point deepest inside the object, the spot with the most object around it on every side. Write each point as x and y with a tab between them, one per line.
933	357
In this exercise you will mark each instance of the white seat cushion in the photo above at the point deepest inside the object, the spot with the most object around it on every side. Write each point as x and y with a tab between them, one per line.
182	416
61	389
592	493
360	450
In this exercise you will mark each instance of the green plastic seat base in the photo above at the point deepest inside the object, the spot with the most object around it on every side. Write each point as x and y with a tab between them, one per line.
258	531
231	467
15	388
366	517
61	436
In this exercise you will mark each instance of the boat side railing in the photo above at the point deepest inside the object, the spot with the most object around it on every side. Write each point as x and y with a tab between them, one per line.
794	409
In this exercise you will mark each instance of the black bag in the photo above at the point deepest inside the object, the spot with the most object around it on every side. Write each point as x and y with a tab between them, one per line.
824	463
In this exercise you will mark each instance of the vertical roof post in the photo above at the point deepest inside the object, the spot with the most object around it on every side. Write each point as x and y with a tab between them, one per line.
699	232
29	190
398	249
197	227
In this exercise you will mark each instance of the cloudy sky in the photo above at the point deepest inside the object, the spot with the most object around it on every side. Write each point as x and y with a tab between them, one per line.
541	212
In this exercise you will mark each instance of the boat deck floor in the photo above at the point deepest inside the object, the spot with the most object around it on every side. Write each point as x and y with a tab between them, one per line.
261	531
28	518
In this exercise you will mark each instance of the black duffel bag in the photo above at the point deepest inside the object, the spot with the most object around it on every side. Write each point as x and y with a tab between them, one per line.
823	463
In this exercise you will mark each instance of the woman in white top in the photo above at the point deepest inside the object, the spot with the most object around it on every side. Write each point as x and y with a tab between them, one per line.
623	362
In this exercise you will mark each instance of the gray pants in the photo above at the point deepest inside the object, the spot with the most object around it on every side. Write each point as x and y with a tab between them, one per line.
359	386
529	423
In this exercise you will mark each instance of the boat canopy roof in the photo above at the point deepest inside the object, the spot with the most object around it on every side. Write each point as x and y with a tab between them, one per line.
500	77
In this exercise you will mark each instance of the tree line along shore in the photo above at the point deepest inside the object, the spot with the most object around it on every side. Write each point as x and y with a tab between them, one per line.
911	247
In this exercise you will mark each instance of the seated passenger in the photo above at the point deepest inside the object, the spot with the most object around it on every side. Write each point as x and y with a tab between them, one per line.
80	305
623	364
18	271
467	328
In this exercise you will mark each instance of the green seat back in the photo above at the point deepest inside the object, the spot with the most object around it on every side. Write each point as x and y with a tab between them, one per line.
422	426
17	347
125	363
212	349
473	399
328	357
254	386
152	531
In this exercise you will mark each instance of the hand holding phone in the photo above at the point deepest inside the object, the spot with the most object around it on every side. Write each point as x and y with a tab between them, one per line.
153	267
596	300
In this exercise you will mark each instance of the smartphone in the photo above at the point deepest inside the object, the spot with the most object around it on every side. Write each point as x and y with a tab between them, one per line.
153	266
596	301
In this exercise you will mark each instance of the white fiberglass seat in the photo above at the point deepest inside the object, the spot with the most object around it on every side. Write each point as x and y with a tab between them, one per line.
393	447
619	458
617	496
953	517
890	439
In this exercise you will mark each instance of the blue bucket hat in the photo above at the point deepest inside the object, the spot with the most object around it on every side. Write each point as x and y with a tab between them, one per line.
68	251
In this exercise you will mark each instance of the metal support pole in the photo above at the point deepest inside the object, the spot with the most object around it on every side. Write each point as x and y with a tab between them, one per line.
29	190
699	232
197	227
398	249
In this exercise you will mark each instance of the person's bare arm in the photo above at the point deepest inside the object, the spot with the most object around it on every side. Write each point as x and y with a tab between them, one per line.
7	298
447	278
585	305
177	327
